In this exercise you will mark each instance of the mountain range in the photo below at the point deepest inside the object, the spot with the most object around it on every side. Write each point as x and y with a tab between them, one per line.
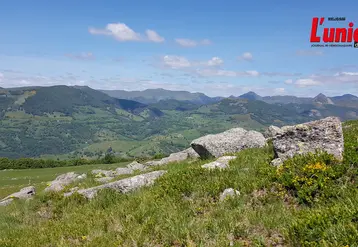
66	122
151	96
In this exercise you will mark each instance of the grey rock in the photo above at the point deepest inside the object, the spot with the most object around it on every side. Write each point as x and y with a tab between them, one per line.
227	193
124	185
325	134
174	157
230	141
220	163
191	153
72	190
65	179
123	171
272	131
24	193
153	163
6	202
136	166
104	179
277	162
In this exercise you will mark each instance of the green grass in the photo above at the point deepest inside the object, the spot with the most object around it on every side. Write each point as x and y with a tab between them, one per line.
13	180
183	209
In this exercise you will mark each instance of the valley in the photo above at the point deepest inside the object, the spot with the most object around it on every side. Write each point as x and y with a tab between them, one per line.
62	122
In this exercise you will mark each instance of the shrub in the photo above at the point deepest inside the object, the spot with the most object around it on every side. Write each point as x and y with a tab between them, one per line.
309	177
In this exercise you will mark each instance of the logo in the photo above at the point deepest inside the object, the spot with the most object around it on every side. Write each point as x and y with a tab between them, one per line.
343	36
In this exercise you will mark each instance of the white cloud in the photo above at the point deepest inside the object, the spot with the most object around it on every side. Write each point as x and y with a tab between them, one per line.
154	36
82	56
309	53
226	73
346	73
247	56
1	77
123	33
176	62
179	62
307	82
214	72
336	79
288	81
252	72
192	43
215	61
204	68
271	74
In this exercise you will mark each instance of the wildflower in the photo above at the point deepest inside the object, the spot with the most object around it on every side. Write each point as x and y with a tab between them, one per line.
84	237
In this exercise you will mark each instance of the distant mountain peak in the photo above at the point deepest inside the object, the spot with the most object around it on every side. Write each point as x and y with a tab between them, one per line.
251	96
322	99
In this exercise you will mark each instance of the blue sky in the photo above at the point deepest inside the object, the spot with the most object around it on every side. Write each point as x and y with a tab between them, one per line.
215	47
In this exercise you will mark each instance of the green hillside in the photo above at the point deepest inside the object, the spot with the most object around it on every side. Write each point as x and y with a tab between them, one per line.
311	200
63	122
150	96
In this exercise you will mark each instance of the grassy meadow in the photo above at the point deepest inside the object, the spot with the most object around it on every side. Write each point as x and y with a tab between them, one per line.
309	201
13	180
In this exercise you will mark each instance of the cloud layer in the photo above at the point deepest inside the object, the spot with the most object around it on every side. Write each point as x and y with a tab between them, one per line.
121	32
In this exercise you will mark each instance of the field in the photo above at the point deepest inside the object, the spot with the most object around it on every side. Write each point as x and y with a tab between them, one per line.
13	180
310	201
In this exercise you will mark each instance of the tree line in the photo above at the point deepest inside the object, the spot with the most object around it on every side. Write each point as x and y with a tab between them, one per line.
28	163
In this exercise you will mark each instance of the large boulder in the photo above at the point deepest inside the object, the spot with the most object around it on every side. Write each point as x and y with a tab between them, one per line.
124	185
325	134
123	171
65	179
136	166
230	141
272	131
24	193
174	157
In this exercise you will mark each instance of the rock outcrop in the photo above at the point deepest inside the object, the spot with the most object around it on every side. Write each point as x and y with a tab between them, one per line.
24	193
123	171
124	185
220	163
230	141
325	134
136	166
65	179
174	157
104	179
272	131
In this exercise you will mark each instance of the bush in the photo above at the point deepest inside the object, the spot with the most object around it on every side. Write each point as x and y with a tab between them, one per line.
309	177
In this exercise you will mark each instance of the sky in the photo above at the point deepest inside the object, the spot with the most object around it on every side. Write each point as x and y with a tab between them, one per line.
220	48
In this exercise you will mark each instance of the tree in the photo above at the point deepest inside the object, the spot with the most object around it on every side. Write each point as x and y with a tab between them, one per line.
109	158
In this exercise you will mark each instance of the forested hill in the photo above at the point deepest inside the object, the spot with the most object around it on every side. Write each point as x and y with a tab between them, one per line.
66	100
71	122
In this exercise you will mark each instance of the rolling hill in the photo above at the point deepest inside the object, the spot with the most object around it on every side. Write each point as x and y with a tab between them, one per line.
150	96
70	122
